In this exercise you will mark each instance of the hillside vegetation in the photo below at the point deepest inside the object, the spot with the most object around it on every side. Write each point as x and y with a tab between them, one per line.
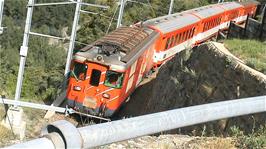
44	70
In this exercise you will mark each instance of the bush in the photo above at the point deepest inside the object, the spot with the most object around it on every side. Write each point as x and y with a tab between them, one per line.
254	140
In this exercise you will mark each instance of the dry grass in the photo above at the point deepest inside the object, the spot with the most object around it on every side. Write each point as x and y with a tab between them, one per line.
211	143
5	136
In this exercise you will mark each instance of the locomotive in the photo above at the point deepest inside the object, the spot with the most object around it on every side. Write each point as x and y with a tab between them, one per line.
105	74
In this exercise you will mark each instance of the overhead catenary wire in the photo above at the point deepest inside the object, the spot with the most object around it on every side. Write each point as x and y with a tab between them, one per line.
95	13
111	21
148	1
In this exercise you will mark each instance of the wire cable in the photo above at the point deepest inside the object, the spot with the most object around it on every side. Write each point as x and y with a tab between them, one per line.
111	20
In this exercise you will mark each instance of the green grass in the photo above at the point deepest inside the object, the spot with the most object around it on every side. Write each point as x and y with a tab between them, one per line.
256	139
251	51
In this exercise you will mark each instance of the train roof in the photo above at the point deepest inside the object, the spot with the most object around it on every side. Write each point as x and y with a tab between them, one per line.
250	2
207	11
176	21
118	49
172	22
230	5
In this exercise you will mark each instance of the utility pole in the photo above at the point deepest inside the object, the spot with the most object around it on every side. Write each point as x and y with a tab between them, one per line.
73	36
24	49
121	11
171	7
1	15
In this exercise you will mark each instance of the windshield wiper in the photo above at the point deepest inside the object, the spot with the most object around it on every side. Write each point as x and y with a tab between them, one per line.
72	72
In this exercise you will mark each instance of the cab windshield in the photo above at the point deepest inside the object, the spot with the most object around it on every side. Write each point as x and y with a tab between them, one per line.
79	71
113	79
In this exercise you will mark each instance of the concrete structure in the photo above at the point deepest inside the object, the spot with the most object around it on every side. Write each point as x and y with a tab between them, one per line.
252	29
14	121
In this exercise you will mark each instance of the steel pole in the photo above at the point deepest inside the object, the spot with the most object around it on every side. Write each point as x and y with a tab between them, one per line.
171	7
121	11
24	50
73	37
2	2
31	105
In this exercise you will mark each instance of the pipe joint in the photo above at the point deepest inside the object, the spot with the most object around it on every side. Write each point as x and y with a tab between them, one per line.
68	133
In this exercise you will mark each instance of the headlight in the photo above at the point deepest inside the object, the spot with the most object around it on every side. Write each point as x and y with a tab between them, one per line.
77	88
105	95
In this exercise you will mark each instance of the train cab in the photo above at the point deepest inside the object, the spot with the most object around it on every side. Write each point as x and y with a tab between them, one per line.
102	76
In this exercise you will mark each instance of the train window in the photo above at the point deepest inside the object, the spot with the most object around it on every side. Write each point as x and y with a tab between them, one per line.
167	43
185	34
95	77
188	33
191	33
207	26
182	37
114	79
176	39
79	72
172	41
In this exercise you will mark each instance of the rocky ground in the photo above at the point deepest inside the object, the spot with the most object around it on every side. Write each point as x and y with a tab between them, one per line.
174	142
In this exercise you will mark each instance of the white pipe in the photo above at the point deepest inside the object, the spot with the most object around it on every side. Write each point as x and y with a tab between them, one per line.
115	131
32	105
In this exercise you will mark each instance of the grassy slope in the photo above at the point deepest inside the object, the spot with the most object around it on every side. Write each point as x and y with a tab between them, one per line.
251	51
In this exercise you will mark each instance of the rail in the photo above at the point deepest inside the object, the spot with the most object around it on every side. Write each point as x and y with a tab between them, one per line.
63	134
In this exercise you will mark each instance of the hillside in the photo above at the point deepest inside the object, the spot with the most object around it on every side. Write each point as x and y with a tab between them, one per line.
203	75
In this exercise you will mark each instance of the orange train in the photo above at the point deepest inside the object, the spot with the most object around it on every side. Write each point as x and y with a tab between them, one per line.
104	75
